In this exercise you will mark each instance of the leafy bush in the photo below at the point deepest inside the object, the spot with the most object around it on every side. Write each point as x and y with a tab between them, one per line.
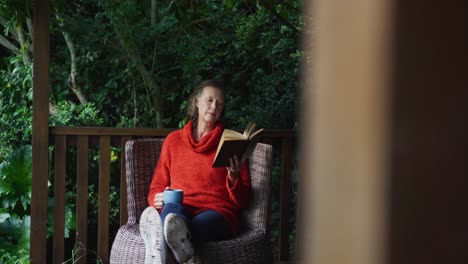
15	181
14	233
15	197
71	114
19	257
15	104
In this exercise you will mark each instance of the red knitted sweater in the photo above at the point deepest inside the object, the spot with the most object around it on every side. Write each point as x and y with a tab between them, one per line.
186	164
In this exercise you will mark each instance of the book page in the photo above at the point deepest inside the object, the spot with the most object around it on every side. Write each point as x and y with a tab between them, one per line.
255	133
229	134
249	129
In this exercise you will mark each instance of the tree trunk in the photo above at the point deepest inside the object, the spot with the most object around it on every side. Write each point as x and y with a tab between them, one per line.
149	82
73	71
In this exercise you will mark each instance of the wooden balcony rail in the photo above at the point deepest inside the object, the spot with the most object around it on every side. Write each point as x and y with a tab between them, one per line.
104	138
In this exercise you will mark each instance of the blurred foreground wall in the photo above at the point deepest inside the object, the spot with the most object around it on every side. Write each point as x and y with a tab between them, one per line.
385	133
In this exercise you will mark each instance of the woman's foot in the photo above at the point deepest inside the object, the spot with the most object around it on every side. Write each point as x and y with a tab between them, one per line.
177	238
151	232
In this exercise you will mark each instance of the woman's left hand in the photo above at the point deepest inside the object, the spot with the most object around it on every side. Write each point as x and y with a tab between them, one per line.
234	169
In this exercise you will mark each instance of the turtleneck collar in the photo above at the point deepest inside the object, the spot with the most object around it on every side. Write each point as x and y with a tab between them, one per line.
207	142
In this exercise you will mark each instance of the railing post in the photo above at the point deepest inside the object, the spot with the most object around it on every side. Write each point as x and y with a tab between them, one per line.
103	213
82	194
40	134
285	190
59	197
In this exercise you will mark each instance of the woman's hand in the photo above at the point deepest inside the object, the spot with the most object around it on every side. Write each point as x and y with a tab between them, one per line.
234	169
159	199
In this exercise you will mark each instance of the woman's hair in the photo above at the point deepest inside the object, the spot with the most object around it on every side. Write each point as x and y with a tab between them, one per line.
192	110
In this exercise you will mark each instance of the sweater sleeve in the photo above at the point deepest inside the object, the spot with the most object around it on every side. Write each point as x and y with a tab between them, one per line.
240	192
161	175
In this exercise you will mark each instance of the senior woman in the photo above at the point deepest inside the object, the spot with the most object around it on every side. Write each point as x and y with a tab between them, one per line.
213	197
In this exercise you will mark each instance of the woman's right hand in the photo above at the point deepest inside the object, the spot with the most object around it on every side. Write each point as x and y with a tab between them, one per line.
159	199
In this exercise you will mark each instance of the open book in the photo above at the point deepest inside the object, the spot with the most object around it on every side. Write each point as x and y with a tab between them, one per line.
233	143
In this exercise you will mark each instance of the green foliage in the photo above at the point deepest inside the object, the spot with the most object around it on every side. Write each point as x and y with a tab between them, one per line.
19	257
76	115
239	42
15	103
15	197
14	233
15	181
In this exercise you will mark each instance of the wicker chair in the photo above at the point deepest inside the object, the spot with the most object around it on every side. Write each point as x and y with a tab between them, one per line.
251	246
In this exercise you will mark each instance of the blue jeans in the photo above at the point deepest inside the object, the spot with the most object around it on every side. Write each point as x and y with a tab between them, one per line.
206	226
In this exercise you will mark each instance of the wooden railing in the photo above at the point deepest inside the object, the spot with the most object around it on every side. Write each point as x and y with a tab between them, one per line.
104	138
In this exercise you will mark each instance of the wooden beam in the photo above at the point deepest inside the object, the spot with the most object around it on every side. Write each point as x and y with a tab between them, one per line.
40	131
110	131
150	132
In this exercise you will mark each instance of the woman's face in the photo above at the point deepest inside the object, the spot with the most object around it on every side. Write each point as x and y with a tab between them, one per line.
210	105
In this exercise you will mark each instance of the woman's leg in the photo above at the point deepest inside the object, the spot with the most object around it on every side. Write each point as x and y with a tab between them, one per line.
174	208
176	232
169	208
209	226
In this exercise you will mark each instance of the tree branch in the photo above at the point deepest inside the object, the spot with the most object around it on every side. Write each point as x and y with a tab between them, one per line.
7	44
30	34
4	23
73	71
23	43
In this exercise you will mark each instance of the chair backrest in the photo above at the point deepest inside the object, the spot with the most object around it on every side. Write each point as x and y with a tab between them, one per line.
257	215
141	159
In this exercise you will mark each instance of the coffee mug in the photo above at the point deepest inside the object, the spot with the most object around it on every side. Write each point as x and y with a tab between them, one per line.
173	196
